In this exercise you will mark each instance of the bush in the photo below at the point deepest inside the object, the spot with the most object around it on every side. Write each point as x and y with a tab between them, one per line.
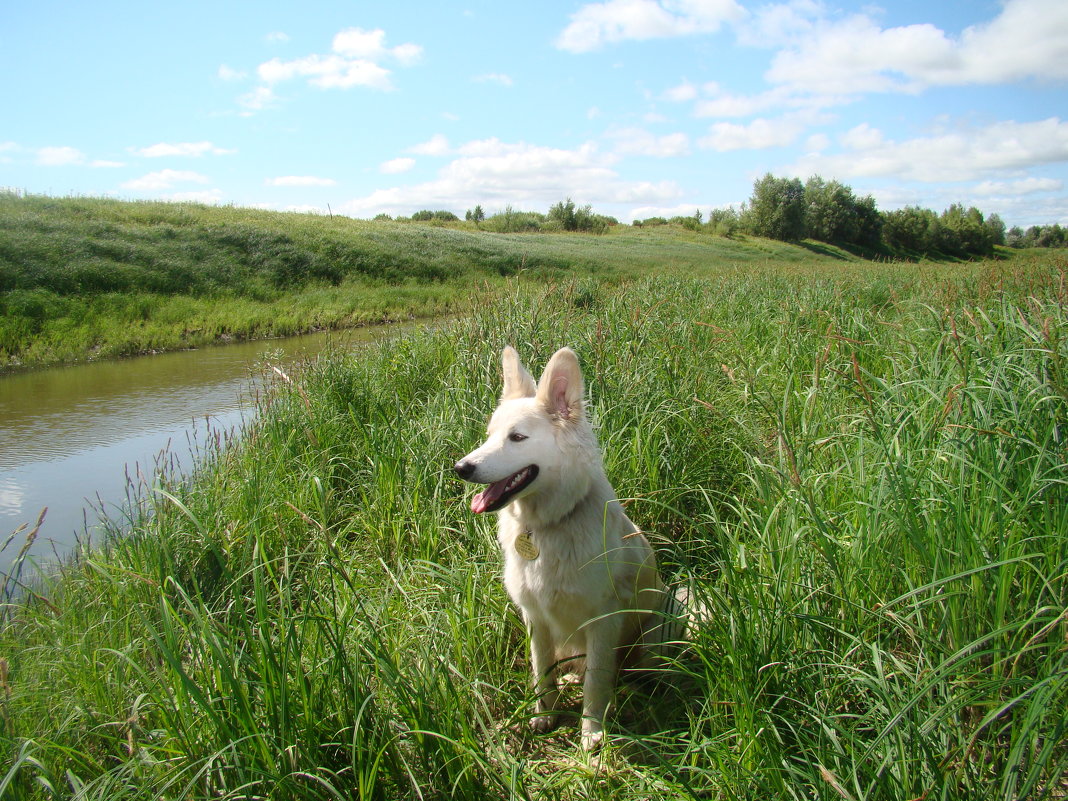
724	222
511	221
430	216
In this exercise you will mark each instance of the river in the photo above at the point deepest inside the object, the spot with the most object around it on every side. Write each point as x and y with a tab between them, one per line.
70	436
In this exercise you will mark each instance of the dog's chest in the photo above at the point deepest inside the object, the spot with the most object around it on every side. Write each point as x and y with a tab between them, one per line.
552	575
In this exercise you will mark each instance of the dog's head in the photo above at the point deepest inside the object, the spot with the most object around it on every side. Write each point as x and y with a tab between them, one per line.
523	450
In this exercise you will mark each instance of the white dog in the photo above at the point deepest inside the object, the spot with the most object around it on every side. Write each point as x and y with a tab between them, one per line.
583	576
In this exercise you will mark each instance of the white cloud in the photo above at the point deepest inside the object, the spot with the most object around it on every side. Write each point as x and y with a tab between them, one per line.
597	24
639	142
276	37
758	134
718	104
817	143
1024	186
353	61
228	73
862	137
494	77
682	93
437	145
824	58
781	23
258	99
327	72
960	155
1028	39
300	180
164	179
190	149
59	156
398	165
495	174
371	45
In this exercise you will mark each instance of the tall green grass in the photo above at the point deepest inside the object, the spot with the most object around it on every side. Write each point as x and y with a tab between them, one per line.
861	472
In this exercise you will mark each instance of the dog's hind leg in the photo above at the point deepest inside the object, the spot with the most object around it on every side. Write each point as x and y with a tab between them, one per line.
543	664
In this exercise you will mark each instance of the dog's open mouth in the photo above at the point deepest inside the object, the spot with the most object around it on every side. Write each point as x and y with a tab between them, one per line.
497	494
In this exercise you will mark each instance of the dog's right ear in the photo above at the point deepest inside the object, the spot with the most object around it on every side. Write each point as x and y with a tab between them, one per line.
518	383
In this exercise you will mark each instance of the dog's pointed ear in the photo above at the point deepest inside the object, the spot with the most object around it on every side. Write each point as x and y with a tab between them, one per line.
560	389
518	383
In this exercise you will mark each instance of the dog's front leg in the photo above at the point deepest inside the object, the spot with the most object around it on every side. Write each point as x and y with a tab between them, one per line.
602	636
543	665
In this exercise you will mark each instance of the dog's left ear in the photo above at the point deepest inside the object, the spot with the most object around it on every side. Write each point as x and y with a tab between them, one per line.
560	389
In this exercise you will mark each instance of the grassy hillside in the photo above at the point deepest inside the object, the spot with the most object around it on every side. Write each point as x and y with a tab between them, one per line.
860	469
85	278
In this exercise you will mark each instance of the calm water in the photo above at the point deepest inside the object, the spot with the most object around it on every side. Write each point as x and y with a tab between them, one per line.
69	436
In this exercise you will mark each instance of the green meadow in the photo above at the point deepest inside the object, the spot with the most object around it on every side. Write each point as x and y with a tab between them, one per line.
858	468
89	278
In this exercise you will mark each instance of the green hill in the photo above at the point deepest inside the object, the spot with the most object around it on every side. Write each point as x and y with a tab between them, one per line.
84	278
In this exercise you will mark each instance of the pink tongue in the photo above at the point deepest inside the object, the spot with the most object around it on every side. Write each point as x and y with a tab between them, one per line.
489	496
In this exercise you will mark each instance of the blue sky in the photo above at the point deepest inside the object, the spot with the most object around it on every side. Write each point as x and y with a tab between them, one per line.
637	107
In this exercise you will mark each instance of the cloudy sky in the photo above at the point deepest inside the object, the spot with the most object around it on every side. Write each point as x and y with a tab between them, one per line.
638	107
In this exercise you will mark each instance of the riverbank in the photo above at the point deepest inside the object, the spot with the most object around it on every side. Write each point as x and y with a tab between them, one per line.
71	436
859	468
92	278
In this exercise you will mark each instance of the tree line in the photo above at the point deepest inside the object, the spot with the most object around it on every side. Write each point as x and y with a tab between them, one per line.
790	210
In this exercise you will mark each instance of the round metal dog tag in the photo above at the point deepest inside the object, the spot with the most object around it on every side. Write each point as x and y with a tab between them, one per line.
525	546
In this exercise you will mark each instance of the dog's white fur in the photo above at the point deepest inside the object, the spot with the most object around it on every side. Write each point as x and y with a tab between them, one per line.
593	590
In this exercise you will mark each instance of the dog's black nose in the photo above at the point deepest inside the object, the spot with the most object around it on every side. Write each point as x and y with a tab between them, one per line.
464	469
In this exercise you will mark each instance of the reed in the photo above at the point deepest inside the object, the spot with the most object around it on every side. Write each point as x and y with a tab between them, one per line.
860	471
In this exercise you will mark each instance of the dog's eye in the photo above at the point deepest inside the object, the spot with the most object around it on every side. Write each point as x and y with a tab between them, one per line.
515	436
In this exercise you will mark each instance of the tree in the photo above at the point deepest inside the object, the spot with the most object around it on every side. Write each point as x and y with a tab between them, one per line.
910	229
834	214
777	208
996	226
963	232
830	211
477	215
869	222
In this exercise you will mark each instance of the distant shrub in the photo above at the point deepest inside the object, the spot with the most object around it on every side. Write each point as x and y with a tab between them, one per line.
565	216
1037	236
430	216
691	223
511	221
724	222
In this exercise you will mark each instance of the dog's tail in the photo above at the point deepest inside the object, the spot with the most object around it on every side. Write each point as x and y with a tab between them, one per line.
667	630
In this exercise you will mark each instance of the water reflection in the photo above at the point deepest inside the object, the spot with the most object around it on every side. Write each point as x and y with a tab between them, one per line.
69	436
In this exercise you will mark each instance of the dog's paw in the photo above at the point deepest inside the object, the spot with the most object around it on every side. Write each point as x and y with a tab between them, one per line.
592	736
543	723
